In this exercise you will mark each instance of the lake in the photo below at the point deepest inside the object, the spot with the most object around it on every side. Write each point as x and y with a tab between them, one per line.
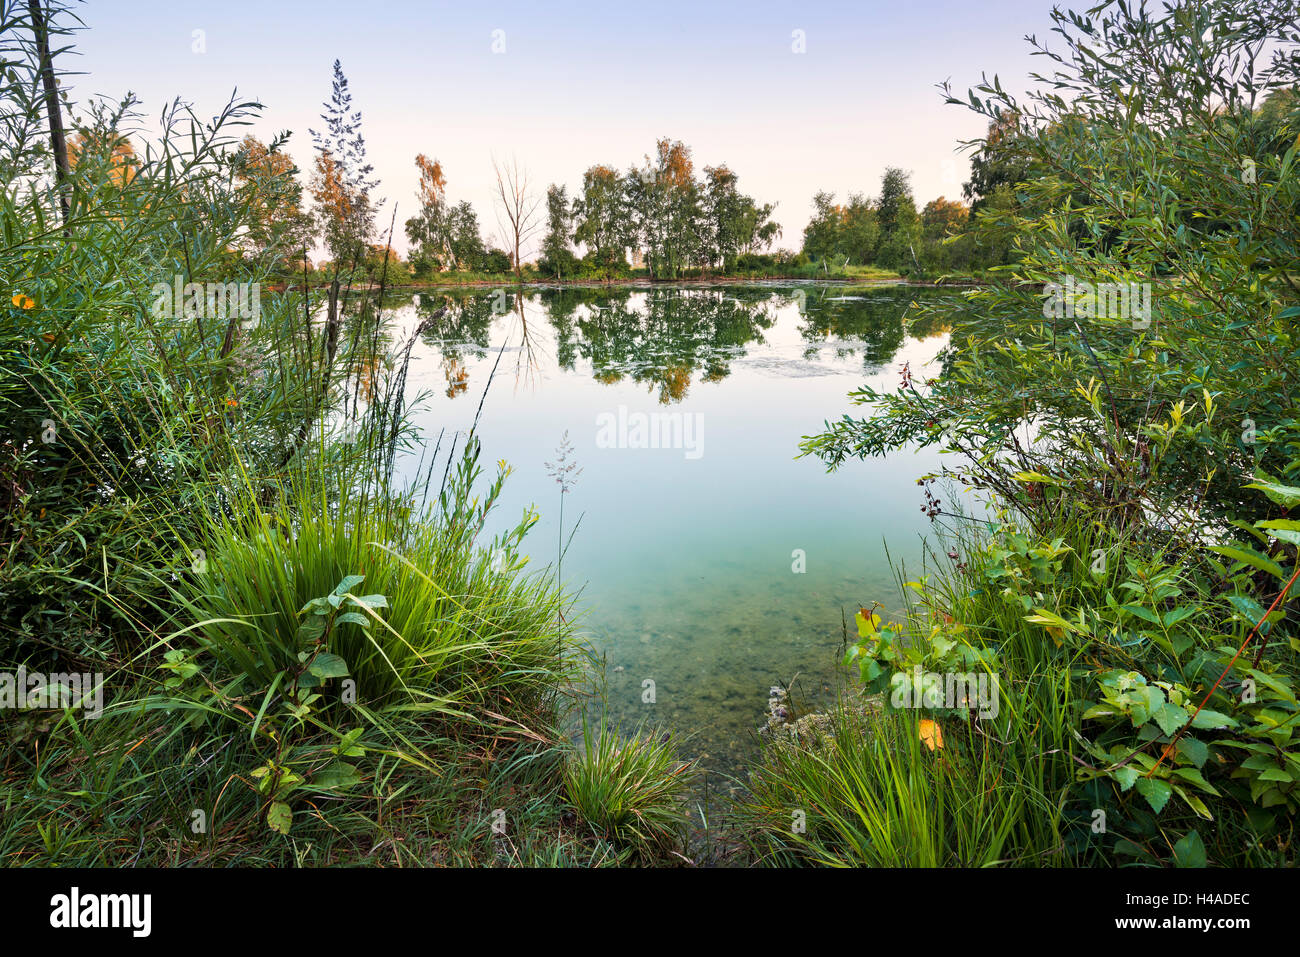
717	564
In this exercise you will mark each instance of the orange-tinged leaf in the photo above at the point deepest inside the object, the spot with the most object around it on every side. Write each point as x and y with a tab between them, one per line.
931	735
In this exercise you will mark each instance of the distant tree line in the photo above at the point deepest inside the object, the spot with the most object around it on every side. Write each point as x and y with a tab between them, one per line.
658	216
672	220
889	232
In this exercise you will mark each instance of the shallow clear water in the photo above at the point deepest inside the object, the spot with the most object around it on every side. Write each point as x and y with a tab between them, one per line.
687	557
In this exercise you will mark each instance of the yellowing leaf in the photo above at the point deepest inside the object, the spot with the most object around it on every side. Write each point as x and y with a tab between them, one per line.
1042	616
279	817
1036	477
868	623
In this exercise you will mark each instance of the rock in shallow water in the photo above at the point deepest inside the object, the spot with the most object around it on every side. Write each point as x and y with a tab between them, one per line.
813	728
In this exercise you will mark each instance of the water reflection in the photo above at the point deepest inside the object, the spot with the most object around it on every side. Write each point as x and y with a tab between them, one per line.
661	339
459	328
664	338
869	323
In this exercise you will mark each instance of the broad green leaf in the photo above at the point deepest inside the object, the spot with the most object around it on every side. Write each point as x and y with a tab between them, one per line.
1194	750
327	665
1212	719
279	817
1170	717
348	583
1156	792
1194	776
1248	556
1190	851
1126	776
1248	608
337	776
1288	496
1289	524
1290	536
1146	614
311	629
1277	683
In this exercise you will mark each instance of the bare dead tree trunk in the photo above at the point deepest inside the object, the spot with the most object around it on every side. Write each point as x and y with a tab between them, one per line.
62	170
519	206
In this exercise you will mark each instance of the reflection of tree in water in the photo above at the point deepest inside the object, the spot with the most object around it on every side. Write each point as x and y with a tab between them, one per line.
667	337
364	338
462	333
662	337
561	305
870	321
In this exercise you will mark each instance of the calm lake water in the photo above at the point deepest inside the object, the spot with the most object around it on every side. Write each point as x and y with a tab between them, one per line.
688	559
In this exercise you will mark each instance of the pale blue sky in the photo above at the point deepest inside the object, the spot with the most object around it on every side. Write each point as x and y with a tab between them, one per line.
582	83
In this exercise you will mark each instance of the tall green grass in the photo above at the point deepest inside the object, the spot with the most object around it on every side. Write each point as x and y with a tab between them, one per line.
629	789
873	793
460	691
464	630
